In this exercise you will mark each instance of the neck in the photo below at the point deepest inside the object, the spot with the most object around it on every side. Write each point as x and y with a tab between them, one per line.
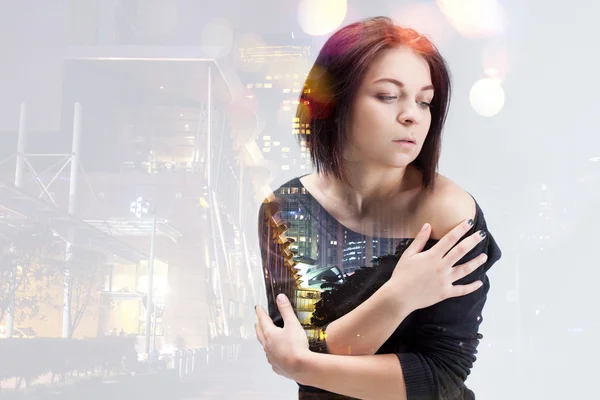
369	189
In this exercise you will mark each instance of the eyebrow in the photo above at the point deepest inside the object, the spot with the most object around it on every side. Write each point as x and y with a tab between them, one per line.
400	84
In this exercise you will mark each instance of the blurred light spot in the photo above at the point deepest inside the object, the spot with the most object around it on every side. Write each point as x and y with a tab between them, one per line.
425	19
217	38
320	17
487	97
474	18
496	59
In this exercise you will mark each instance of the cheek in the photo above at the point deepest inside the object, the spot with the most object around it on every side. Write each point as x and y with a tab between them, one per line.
371	118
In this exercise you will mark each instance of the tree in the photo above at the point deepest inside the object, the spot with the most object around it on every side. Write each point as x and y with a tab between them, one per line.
27	253
87	271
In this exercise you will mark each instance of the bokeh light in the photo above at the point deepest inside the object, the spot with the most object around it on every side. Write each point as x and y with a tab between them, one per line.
474	18
425	19
487	97
320	17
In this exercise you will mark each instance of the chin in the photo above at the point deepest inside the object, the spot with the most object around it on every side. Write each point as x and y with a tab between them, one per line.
401	162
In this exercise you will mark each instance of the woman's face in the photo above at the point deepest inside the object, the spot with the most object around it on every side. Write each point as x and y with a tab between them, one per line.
392	103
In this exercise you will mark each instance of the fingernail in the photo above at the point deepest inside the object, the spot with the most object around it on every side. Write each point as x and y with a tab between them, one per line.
424	227
255	307
280	298
470	222
482	233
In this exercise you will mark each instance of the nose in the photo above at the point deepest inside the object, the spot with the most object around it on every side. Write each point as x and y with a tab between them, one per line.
409	115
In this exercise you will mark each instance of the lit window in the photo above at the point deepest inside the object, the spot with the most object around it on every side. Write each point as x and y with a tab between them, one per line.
268	85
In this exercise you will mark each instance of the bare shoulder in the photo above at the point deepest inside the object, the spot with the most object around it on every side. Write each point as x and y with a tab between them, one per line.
447	206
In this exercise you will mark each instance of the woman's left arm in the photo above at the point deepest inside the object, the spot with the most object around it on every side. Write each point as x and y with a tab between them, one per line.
447	333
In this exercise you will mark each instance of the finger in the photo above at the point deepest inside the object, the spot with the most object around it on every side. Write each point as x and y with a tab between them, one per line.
420	241
451	238
264	321
468	268
259	335
463	290
286	310
463	248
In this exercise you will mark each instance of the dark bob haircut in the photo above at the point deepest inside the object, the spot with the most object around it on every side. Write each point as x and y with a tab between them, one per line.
332	83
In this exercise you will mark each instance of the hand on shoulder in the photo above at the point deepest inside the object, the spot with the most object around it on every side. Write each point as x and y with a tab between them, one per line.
448	206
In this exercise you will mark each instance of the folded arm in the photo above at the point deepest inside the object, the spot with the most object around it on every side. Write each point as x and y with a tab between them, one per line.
436	367
366	328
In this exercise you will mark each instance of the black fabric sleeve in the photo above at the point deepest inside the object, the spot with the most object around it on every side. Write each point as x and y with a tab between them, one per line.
446	334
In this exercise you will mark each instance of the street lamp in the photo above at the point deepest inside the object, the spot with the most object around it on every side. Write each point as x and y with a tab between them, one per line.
141	207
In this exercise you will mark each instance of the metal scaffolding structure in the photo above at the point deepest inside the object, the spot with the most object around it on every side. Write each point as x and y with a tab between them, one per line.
205	162
64	224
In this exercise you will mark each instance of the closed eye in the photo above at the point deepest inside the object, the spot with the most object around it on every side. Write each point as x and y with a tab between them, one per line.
389	99
386	98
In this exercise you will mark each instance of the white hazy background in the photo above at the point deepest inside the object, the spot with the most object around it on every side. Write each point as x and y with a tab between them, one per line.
523	137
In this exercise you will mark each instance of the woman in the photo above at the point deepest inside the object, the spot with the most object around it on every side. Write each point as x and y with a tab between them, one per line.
372	114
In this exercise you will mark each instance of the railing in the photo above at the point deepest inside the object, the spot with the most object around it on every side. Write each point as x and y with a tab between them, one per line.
193	362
